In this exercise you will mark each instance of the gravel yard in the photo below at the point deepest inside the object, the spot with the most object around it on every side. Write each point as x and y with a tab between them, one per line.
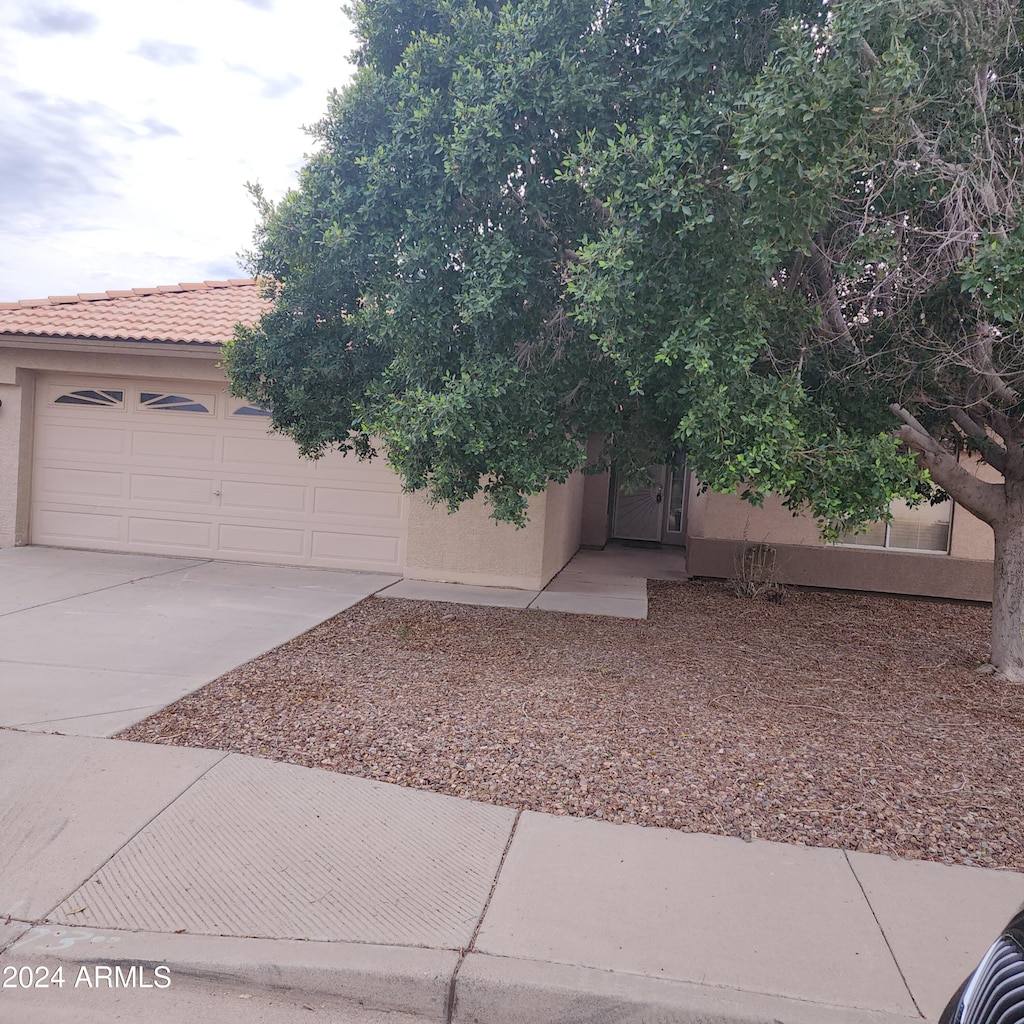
832	719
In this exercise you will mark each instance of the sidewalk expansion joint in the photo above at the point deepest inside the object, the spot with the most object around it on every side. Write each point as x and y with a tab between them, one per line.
142	827
98	668
101	590
881	930
449	1003
75	718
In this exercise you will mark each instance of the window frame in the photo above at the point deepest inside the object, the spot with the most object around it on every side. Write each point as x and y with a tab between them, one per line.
886	546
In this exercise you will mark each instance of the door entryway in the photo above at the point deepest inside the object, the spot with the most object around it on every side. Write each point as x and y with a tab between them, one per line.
655	511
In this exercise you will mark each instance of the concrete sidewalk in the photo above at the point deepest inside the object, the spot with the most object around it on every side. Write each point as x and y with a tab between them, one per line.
260	877
612	581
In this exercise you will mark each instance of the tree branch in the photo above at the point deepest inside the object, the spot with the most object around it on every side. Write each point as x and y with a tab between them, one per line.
986	412
992	452
986	501
867	55
981	356
796	273
830	300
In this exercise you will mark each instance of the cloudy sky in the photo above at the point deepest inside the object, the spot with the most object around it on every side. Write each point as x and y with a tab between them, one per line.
129	129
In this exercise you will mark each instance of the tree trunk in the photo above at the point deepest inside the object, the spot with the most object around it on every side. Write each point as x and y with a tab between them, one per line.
1008	595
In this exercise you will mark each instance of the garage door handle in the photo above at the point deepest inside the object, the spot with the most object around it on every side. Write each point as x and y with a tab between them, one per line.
216	494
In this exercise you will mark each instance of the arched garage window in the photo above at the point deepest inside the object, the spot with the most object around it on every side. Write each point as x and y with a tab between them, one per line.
173	403
88	396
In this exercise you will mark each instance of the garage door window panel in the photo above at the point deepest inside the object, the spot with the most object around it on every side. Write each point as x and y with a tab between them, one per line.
171	403
89	397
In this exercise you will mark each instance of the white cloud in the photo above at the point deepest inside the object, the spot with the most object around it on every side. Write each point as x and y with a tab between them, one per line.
118	171
56	154
52	21
170	55
272	88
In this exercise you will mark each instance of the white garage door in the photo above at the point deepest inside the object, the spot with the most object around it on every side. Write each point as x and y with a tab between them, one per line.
167	467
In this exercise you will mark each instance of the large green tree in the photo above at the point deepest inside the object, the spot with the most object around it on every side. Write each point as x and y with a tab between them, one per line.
785	238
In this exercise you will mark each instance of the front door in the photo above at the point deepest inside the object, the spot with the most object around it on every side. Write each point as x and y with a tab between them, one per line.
640	514
655	511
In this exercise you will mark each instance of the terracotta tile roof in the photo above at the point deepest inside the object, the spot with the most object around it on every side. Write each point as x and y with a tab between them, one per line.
203	313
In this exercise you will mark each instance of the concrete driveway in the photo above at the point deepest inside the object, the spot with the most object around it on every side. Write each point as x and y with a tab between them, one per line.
92	642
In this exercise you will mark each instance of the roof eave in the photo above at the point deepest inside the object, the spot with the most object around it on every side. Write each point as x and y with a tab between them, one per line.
175	349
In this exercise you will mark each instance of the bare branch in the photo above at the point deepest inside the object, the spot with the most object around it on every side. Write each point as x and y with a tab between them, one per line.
980	348
922	440
986	501
992	452
834	318
867	55
554	335
1007	430
795	273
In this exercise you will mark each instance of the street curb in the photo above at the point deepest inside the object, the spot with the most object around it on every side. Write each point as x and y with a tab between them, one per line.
501	990
396	978
488	989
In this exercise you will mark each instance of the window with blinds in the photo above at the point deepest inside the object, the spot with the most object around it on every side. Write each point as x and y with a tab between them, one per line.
922	528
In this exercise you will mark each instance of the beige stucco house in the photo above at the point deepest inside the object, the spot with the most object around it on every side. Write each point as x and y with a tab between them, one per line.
117	433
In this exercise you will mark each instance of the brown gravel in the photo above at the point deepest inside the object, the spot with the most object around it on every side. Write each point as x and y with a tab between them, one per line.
838	720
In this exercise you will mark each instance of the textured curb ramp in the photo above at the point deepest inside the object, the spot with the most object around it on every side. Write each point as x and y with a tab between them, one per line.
275	875
257	874
302	854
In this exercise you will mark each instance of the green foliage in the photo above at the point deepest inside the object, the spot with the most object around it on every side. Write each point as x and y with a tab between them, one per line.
734	229
419	264
994	277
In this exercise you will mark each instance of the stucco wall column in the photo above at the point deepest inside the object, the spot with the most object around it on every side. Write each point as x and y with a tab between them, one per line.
470	547
16	406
